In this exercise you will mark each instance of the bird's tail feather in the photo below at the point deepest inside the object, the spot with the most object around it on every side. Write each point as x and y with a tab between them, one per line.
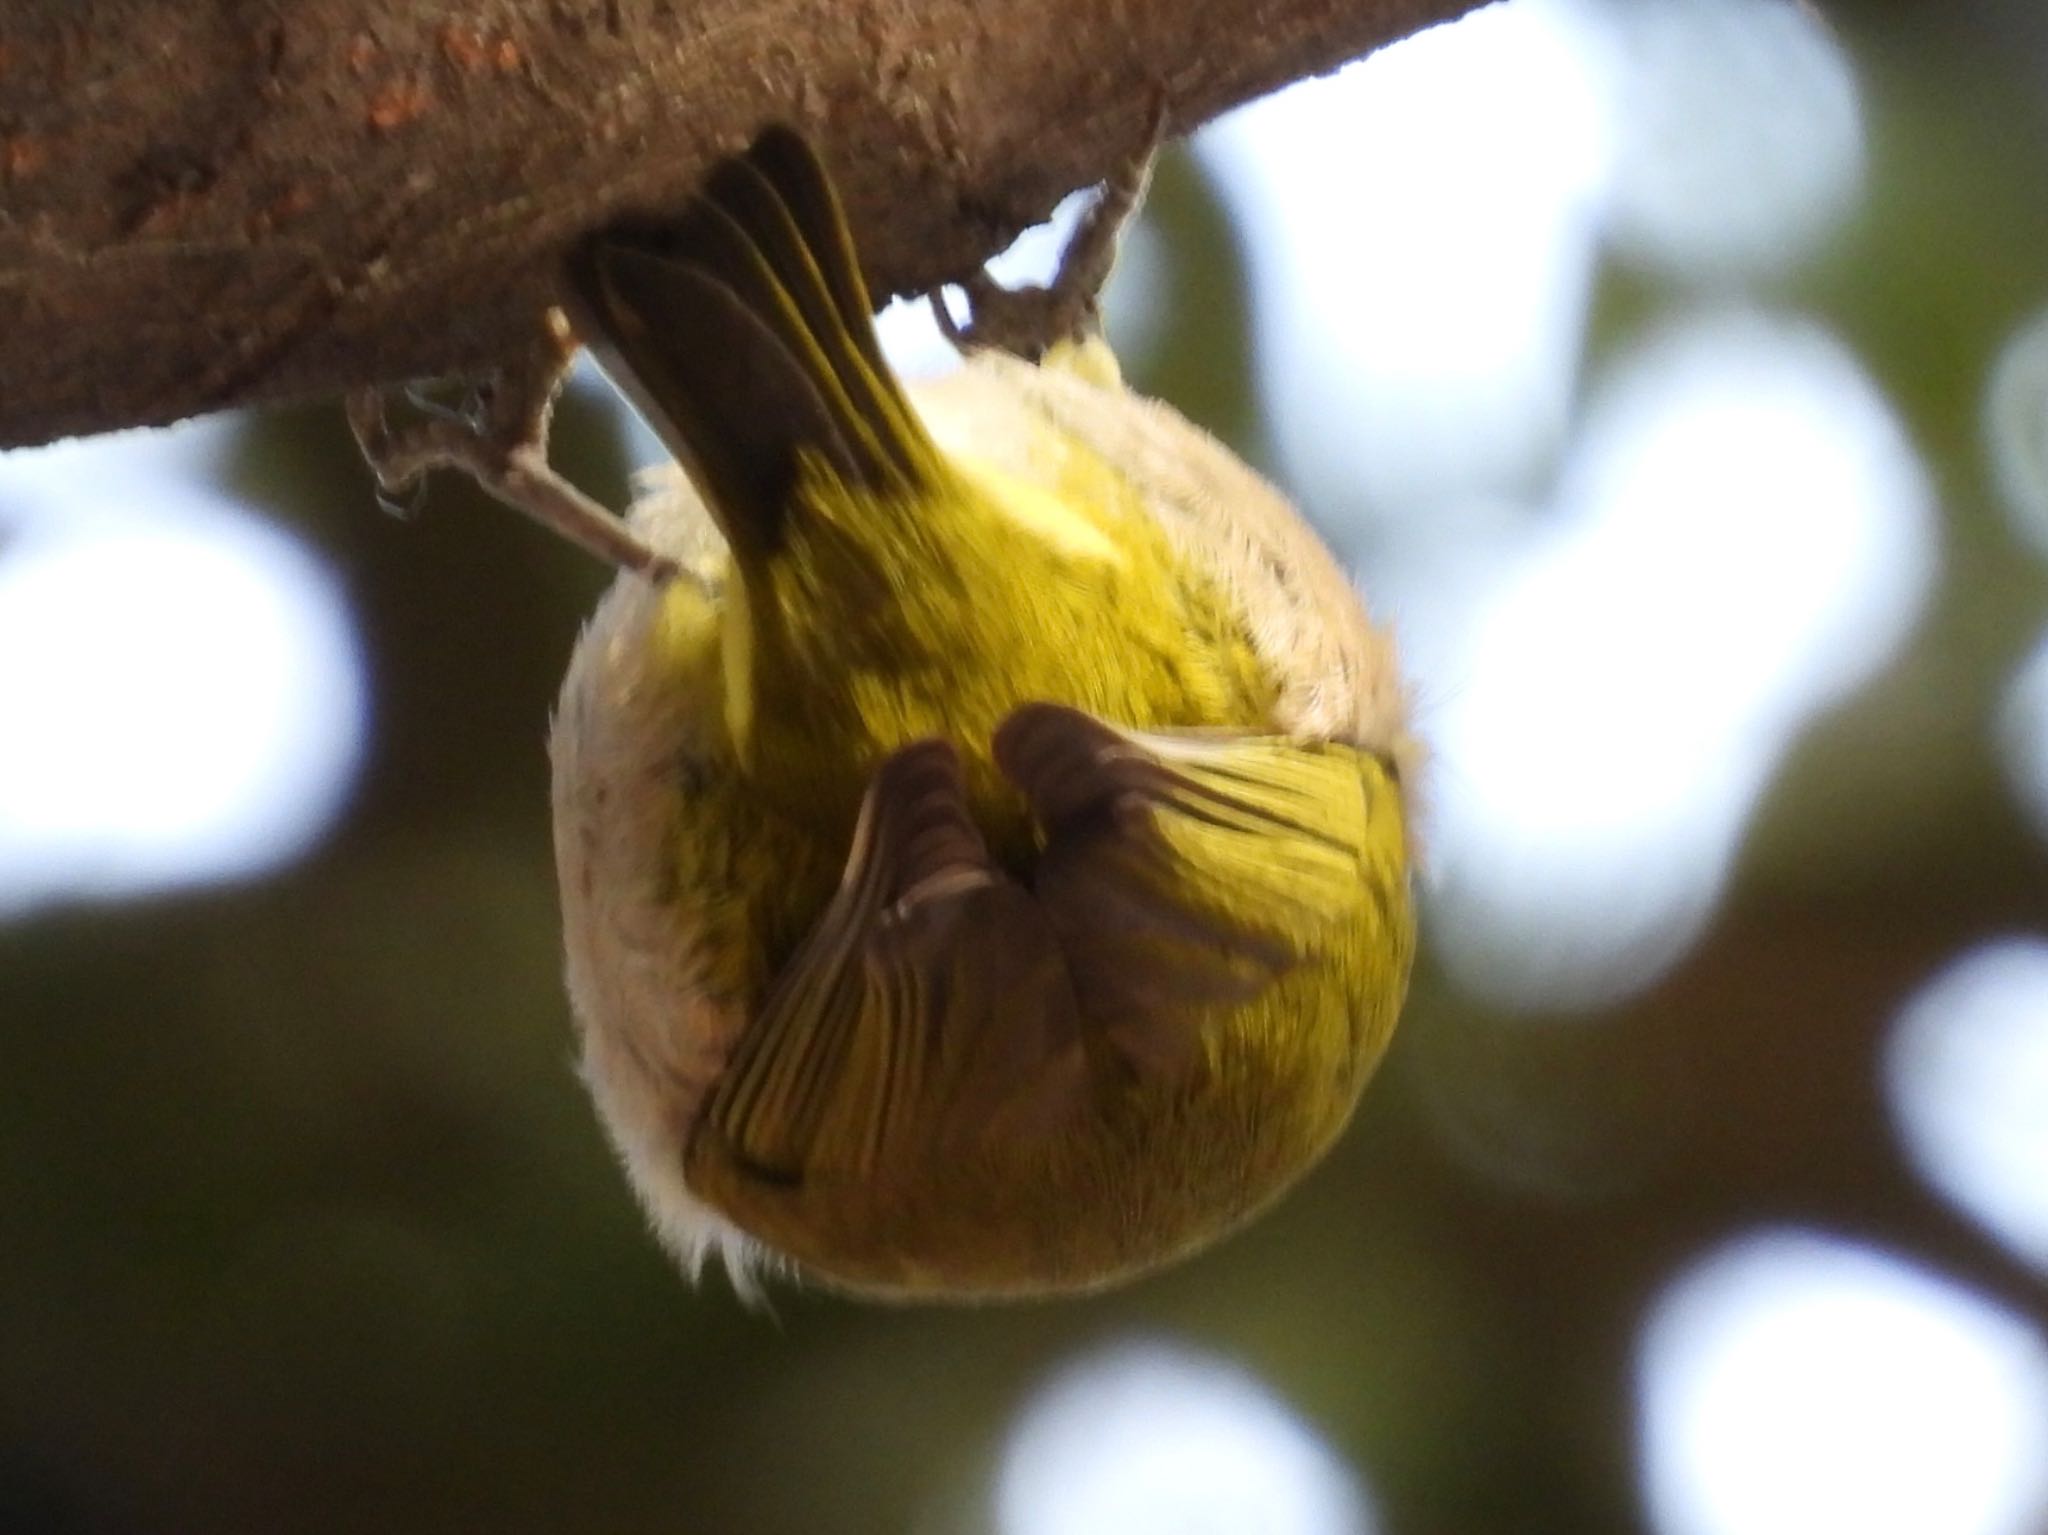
742	330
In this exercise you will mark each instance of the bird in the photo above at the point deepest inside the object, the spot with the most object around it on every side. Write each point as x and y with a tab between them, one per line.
984	848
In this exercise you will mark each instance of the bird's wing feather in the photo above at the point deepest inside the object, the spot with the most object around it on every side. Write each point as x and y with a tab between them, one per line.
938	998
1184	873
929	1001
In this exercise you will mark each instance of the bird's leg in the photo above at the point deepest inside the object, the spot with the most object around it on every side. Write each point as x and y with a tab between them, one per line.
1029	322
500	439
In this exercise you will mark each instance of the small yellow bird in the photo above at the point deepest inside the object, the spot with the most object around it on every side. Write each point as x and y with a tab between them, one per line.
984	866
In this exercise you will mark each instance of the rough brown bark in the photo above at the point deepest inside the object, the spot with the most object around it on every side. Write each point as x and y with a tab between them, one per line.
240	201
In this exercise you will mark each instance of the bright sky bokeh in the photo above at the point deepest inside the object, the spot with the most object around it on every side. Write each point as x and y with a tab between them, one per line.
1148	1438
1620	598
1741	535
1966	1073
180	678
1791	1383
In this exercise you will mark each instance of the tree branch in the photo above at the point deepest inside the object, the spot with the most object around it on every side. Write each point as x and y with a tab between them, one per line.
250	201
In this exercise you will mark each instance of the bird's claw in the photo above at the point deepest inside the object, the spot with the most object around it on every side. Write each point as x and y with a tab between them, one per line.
1029	322
498	436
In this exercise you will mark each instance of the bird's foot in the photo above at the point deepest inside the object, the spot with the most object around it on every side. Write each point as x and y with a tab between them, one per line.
498	436
1029	322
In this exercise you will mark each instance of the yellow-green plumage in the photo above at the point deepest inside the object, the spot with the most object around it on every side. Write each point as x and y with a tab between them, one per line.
1026	928
851	642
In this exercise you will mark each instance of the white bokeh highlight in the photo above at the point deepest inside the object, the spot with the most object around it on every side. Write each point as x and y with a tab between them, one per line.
182	697
1618	614
1151	1439
1743	535
1422	230
1791	1383
1966	1074
1738	129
